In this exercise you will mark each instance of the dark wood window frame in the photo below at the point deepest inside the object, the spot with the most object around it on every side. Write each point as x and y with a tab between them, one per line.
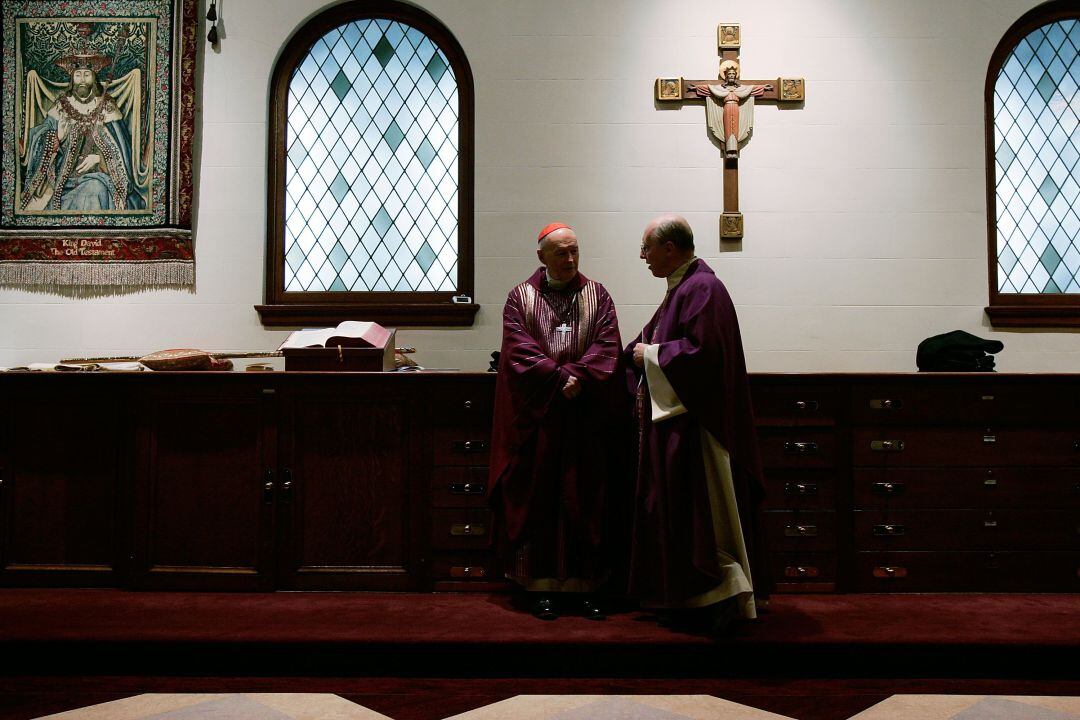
1015	309
388	308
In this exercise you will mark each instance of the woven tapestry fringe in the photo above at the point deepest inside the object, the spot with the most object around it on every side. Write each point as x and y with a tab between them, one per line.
169	273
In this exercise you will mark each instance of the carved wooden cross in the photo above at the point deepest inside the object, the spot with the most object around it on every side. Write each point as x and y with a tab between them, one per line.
781	90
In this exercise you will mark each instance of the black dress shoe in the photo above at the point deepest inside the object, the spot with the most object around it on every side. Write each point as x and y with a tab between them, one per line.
590	609
545	609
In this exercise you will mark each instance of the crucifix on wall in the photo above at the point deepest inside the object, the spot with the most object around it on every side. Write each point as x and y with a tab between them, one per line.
729	111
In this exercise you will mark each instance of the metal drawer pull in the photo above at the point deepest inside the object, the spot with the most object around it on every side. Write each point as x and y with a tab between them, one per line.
990	482
467	405
888	488
989	523
462	529
886	404
989	439
800	489
798	571
807	405
467	488
886	445
467	571
801	448
889	530
469	446
800	530
890	571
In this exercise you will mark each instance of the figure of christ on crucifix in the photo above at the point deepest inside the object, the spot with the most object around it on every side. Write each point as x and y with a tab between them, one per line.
732	122
729	113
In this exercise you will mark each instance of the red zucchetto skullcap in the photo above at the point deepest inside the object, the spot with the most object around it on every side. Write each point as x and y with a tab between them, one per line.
548	229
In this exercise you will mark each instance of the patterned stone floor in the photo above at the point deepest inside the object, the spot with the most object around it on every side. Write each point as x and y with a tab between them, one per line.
324	706
231	706
973	707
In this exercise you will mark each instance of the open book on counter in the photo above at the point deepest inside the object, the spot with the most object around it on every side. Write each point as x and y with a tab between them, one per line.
348	334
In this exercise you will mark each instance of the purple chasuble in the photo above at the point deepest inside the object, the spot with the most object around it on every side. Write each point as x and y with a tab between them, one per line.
551	458
674	549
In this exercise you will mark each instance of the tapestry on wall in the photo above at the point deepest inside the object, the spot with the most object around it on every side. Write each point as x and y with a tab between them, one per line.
98	127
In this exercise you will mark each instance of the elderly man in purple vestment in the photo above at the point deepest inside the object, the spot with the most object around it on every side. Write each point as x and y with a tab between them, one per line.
555	440
699	477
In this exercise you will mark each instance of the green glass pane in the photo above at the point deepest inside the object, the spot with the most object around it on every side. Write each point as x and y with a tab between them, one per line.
383	50
382	221
425	257
436	67
1050	259
1048	190
339	188
393	135
341	85
338	257
425	153
1046	87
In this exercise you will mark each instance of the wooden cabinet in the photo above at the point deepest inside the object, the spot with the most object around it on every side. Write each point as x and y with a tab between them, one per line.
966	483
921	482
349	496
204	486
798	436
462	524
63	486
378	481
232	481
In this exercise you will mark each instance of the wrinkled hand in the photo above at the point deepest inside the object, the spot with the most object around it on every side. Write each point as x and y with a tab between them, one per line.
88	163
572	388
639	354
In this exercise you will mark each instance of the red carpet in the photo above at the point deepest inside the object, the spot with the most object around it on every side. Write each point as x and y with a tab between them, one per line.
418	632
424	657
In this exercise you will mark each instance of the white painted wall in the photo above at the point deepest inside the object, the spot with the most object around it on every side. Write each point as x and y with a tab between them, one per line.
865	210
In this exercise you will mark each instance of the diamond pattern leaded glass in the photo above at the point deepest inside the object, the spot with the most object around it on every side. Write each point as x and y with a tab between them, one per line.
371	173
1037	146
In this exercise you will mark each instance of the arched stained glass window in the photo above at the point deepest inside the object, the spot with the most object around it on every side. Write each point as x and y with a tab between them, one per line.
371	177
1033	109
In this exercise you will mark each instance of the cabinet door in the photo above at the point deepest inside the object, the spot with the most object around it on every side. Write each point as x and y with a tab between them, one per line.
350	488
60	479
205	487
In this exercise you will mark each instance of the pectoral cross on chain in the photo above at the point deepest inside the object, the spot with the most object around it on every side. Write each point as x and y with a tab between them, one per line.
563	329
729	112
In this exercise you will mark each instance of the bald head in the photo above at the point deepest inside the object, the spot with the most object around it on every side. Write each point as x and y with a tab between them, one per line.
671	228
667	243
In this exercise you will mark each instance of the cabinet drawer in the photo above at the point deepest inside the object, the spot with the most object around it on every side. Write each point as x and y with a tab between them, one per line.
803	570
804	405
789	530
453	487
965	400
460	529
462	567
466	405
967	530
461	446
797	448
949	446
967	487
799	489
967	571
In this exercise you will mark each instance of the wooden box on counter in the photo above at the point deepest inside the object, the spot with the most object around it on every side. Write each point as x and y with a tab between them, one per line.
343	359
